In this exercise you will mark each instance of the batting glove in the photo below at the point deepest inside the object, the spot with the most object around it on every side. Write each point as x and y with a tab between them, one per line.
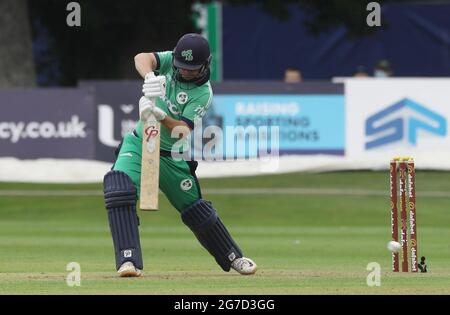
159	113
145	108
154	86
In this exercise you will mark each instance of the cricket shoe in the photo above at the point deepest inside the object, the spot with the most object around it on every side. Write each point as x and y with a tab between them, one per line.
128	270
244	265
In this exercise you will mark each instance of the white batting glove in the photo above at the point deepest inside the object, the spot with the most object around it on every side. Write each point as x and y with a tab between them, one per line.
154	86
159	113
145	108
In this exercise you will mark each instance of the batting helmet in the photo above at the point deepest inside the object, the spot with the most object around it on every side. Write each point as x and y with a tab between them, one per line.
192	52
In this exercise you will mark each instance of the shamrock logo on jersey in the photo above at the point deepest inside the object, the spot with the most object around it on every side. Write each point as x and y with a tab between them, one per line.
186	184
187	54
182	98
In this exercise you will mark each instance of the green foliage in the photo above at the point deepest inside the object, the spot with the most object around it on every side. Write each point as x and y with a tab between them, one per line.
111	34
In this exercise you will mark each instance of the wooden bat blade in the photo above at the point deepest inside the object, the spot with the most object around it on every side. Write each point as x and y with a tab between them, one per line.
150	165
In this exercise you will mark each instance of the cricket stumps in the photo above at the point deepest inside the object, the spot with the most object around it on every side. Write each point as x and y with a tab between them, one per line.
406	193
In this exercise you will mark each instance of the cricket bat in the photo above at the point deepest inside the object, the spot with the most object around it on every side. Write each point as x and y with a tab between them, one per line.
150	165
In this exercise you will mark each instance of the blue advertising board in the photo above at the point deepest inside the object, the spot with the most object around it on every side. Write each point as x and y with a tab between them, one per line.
308	124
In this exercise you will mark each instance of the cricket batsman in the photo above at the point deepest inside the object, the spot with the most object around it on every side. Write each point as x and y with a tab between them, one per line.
178	93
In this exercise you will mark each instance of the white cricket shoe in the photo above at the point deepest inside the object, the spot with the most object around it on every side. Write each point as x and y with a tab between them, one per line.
128	270
244	265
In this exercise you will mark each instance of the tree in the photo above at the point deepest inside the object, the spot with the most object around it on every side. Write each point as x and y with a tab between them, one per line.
16	57
110	35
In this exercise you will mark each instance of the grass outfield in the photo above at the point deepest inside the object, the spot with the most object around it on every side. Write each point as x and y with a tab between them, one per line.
315	239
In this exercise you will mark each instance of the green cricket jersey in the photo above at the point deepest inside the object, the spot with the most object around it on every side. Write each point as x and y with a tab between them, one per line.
183	101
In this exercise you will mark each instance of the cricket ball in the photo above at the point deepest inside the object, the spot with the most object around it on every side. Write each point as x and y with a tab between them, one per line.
393	246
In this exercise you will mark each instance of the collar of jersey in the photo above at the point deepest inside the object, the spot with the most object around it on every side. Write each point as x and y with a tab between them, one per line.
199	82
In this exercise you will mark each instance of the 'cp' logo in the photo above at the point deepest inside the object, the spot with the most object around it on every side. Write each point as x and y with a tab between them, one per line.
151	132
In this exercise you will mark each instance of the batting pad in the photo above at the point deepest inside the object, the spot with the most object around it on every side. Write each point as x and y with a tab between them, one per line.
203	220
120	201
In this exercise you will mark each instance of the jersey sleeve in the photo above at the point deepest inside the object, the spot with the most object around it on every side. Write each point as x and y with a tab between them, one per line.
164	61
197	108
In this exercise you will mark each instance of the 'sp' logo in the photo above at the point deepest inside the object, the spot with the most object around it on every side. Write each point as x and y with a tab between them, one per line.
403	119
